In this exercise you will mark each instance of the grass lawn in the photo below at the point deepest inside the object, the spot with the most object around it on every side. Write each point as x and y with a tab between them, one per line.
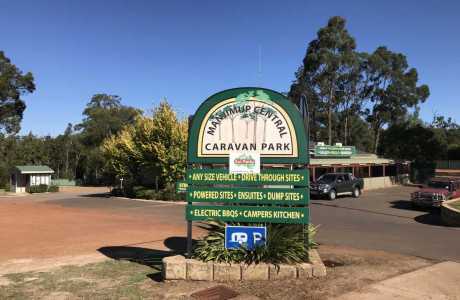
348	269
455	205
105	280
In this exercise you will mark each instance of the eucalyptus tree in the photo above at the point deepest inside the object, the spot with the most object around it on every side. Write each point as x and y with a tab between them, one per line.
13	84
327	62
392	90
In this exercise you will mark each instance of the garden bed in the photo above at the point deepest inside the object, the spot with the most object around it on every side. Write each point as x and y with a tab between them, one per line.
450	212
179	268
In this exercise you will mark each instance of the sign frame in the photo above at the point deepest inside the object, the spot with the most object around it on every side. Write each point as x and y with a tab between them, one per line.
279	99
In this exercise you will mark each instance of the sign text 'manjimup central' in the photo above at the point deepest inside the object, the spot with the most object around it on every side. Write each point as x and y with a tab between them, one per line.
271	176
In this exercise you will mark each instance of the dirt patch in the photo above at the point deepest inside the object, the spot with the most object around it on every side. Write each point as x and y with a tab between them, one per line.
349	269
47	264
30	228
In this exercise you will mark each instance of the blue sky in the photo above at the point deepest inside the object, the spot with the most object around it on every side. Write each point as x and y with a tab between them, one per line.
187	50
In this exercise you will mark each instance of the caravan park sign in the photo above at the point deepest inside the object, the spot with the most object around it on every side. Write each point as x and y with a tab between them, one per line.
235	138
247	119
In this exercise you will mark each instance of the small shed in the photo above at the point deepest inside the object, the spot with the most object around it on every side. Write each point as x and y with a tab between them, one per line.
23	177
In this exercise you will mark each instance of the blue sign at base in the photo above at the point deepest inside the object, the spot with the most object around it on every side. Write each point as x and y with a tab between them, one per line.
249	236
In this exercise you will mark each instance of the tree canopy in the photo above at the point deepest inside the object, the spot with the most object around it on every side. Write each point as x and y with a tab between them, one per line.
347	89
152	146
13	84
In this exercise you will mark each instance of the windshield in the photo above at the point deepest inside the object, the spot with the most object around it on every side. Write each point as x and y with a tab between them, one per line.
439	185
327	178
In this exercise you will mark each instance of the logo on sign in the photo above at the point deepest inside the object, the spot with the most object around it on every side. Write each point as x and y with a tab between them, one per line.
244	162
247	236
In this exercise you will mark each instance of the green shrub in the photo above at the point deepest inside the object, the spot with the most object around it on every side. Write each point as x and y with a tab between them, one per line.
142	192
117	192
169	193
284	244
53	188
42	188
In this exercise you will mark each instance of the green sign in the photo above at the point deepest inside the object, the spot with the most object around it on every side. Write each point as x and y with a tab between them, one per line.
248	119
297	196
256	214
334	151
181	186
265	177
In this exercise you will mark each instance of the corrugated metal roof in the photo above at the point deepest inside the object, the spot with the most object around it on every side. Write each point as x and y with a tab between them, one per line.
354	160
34	169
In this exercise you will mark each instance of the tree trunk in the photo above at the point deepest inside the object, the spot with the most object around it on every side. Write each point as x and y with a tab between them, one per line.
233	131
376	138
255	129
67	163
265	130
345	134
329	112
329	124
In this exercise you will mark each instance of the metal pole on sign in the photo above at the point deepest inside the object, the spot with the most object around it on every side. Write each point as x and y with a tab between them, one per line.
189	239
189	231
306	122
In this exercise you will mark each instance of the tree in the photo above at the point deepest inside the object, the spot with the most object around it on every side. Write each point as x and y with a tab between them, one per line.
352	92
151	146
13	84
392	88
104	116
419	144
329	59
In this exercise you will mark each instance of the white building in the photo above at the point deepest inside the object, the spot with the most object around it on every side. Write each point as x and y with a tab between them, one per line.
23	177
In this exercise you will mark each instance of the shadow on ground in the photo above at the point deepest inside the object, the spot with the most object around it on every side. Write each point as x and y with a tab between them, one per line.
97	195
432	218
146	256
407	204
432	215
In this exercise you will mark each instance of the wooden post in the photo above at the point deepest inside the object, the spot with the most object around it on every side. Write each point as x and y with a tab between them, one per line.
189	239
313	173
370	173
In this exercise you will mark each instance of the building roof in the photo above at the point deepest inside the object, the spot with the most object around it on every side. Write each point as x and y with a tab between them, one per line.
359	159
34	169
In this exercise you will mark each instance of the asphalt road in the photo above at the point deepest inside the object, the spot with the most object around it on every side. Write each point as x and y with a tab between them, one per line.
384	220
378	220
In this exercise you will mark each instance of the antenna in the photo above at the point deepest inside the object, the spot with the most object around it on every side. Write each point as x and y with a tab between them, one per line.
259	69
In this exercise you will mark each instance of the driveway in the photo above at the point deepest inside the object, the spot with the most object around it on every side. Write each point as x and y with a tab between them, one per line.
70	223
384	220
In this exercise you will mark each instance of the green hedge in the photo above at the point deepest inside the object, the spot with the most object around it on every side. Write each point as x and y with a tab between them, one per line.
53	188
142	192
42	188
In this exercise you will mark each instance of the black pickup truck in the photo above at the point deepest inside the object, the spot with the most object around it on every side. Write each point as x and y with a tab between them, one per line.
335	184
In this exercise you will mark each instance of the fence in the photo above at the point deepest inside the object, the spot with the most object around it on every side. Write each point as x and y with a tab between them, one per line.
448	164
63	182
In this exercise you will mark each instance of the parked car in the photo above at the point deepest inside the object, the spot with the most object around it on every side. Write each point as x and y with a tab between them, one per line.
332	185
436	191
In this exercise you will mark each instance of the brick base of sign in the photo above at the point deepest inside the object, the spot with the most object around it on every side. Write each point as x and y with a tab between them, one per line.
179	268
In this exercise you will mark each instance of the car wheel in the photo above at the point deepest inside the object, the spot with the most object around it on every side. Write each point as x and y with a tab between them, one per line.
332	195
356	192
